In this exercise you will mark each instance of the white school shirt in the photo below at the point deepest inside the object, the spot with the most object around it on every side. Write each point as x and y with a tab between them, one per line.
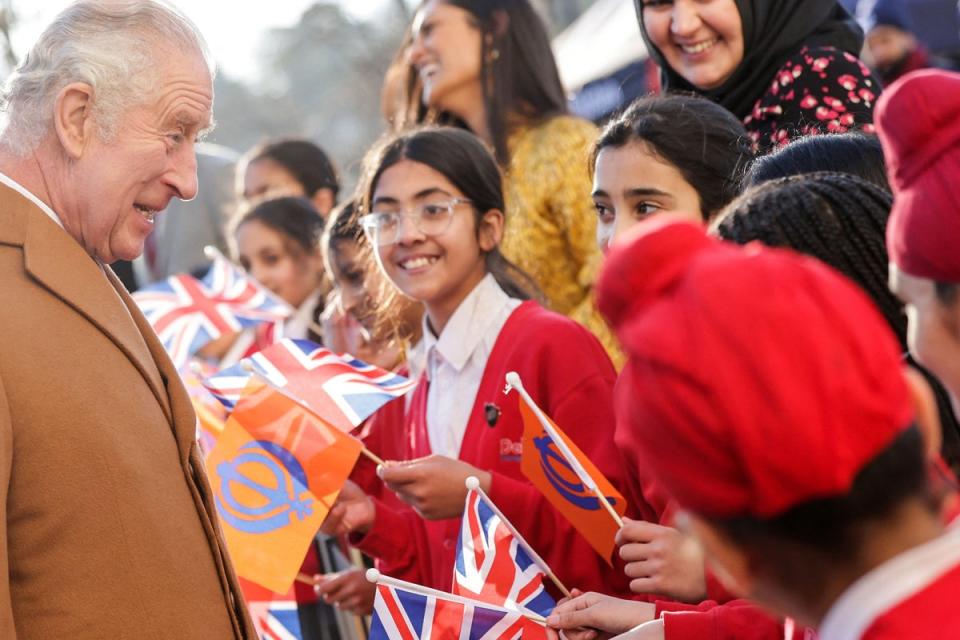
22	190
456	360
890	584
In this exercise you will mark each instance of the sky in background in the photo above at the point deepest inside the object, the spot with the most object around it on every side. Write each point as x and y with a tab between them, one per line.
232	27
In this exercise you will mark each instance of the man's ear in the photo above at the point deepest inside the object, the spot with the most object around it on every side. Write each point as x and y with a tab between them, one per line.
490	232
731	564
73	118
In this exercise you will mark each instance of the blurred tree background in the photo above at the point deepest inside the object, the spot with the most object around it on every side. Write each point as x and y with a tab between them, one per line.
319	78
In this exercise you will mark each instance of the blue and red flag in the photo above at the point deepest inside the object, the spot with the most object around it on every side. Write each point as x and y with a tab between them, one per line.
276	619
495	564
409	614
187	313
342	390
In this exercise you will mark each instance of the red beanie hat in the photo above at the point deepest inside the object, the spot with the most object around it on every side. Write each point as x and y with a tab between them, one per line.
758	379
918	121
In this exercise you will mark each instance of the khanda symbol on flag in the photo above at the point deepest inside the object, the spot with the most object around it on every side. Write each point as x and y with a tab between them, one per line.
566	477
276	471
283	489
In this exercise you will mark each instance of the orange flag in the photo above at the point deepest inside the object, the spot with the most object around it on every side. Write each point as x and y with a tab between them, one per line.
563	483
276	471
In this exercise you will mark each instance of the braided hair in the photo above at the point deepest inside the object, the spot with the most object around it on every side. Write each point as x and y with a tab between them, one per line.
837	218
841	220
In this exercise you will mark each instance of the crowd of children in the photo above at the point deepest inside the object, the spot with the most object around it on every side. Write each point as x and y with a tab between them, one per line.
781	421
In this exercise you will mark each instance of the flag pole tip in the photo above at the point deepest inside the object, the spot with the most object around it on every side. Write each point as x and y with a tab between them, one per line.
373	576
246	365
513	379
472	483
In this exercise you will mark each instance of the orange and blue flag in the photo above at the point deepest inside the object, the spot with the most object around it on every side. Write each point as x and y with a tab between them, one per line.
276	471
567	483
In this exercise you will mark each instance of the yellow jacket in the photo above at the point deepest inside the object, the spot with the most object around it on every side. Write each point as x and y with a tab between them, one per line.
551	230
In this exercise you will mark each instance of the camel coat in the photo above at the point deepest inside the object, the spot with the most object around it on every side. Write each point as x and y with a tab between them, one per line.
108	527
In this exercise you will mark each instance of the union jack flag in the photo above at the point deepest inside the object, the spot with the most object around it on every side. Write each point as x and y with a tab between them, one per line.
342	390
496	565
187	313
276	620
400	614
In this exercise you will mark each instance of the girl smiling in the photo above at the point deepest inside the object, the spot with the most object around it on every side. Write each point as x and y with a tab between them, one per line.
436	217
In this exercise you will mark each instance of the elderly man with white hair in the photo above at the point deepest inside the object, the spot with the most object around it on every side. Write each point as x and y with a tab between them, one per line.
108	528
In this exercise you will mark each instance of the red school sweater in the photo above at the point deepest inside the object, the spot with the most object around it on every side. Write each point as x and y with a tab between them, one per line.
569	375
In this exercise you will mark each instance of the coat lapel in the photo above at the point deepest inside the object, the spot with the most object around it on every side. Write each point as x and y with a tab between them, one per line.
61	265
180	407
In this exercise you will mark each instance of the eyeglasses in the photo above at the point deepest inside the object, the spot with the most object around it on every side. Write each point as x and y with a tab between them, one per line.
430	219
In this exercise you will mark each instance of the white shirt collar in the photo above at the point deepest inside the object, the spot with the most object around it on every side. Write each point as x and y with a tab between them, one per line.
891	583
467	326
22	190
299	323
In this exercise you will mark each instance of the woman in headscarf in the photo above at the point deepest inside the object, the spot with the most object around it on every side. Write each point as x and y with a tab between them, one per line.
787	68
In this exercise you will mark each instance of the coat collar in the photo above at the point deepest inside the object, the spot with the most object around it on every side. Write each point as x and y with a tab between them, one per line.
59	263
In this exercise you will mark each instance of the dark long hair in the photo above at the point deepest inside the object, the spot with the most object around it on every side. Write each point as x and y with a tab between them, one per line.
518	74
856	153
704	141
465	161
837	218
296	219
307	163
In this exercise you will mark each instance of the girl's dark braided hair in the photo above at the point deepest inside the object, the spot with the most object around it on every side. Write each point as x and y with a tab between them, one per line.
841	220
837	218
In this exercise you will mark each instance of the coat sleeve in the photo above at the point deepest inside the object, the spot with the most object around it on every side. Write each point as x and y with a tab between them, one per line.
734	620
7	626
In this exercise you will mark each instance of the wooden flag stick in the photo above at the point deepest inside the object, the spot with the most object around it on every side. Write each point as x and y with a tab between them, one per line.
474	483
305	579
514	382
372	456
375	576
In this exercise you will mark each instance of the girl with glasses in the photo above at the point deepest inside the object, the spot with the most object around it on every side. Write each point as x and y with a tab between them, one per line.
487	66
435	221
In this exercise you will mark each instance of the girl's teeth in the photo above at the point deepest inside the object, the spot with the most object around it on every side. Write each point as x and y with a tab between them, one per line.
416	263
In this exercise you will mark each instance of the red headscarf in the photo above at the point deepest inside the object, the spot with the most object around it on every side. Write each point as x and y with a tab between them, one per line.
918	121
758	379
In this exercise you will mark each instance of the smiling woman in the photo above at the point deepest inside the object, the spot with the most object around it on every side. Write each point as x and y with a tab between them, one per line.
487	66
786	68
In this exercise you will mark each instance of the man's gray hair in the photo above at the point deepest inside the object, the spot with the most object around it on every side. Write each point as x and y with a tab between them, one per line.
111	45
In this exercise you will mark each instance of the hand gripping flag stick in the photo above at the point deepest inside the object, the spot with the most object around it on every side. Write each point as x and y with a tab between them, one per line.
473	483
514	382
256	374
376	577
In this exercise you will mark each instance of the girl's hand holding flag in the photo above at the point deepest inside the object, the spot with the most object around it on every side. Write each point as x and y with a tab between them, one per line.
433	485
592	616
353	512
662	560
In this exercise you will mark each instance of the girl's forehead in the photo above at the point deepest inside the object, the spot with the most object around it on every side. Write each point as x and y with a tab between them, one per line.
409	179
